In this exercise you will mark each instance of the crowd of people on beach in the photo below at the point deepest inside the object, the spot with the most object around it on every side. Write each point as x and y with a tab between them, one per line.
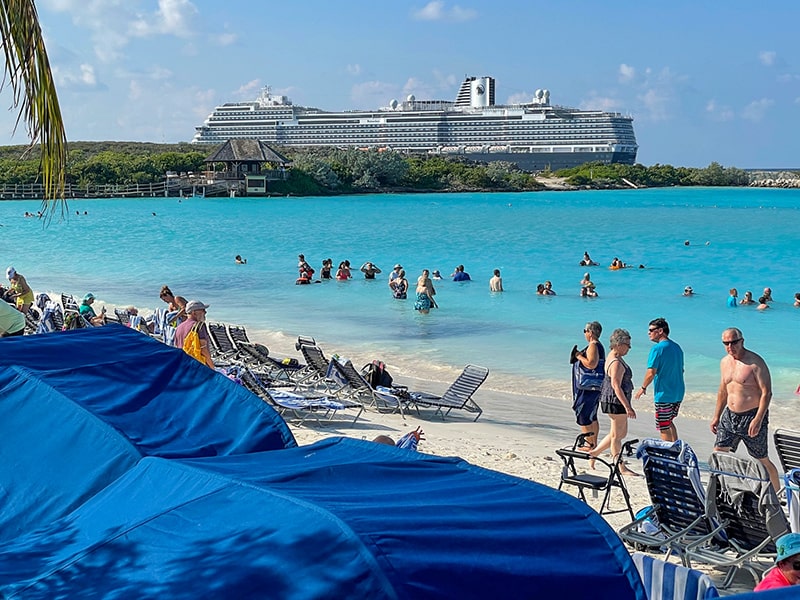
605	382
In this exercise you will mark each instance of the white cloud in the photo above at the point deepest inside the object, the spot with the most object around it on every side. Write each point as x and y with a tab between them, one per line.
520	98
112	23
438	11
354	69
757	109
626	73
600	102
372	94
81	78
226	39
656	102
719	112
767	57
249	90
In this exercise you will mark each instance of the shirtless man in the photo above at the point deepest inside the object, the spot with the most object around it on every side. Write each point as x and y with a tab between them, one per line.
742	411
496	282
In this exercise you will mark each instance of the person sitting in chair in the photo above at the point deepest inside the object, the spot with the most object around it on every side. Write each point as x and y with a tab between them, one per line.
786	571
87	312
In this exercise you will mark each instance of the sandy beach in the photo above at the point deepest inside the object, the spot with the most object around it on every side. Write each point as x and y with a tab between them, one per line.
496	442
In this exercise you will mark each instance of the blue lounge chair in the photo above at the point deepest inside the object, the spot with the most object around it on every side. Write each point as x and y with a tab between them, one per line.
677	515
741	498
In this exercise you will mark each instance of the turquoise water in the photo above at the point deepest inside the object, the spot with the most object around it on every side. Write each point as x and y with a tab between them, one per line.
741	238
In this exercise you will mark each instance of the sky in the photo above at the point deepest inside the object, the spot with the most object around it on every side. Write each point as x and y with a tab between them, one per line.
706	81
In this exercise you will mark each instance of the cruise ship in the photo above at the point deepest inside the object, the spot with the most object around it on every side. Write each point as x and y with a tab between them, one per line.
536	135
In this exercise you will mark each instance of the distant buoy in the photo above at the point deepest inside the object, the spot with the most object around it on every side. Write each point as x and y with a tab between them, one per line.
686	243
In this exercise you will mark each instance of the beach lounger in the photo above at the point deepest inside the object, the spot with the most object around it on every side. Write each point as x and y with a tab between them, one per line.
222	348
594	482
357	387
317	368
787	445
258	355
458	396
123	316
300	406
666	581
741	498
677	515
69	303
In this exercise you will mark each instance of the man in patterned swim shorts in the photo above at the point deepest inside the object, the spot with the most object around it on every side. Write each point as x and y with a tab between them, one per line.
742	410
665	372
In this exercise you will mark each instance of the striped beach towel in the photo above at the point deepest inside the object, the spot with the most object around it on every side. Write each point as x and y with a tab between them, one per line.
667	581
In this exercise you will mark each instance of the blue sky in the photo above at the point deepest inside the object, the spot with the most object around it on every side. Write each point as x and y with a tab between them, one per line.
705	81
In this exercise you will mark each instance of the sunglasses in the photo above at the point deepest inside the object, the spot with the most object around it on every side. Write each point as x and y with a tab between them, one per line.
732	342
652	329
796	565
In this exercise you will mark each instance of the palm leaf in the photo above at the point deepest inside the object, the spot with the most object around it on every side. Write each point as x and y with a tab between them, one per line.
34	92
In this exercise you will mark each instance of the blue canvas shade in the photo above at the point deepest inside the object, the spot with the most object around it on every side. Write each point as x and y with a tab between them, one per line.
340	518
80	408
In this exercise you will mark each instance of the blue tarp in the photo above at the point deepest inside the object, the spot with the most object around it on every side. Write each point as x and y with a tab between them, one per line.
340	518
80	408
130	470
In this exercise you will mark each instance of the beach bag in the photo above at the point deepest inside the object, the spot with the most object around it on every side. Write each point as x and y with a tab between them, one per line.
376	374
592	379
191	345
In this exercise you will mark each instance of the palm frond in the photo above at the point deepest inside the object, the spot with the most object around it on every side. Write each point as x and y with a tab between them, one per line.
34	93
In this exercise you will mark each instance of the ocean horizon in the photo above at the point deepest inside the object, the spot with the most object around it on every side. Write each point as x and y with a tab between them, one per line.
124	250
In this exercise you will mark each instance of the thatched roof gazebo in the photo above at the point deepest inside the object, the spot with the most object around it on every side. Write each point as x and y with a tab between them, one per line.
245	160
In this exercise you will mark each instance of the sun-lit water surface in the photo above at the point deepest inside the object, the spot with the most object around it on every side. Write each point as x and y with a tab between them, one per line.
124	250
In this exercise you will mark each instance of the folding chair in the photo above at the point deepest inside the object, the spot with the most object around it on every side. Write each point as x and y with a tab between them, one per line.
741	498
677	514
596	483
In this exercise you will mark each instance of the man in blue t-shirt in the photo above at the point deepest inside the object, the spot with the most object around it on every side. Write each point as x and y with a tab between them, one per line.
665	371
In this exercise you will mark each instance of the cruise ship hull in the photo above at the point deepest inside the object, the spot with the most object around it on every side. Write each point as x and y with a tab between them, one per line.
549	161
534	135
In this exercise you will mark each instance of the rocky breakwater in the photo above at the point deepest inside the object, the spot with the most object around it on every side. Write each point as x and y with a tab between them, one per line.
775	179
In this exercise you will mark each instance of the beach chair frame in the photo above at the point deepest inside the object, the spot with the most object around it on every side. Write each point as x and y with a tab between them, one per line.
740	497
678	510
596	483
300	406
457	397
359	388
787	446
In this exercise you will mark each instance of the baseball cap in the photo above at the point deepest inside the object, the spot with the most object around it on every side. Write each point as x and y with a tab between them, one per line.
89	296
10	272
